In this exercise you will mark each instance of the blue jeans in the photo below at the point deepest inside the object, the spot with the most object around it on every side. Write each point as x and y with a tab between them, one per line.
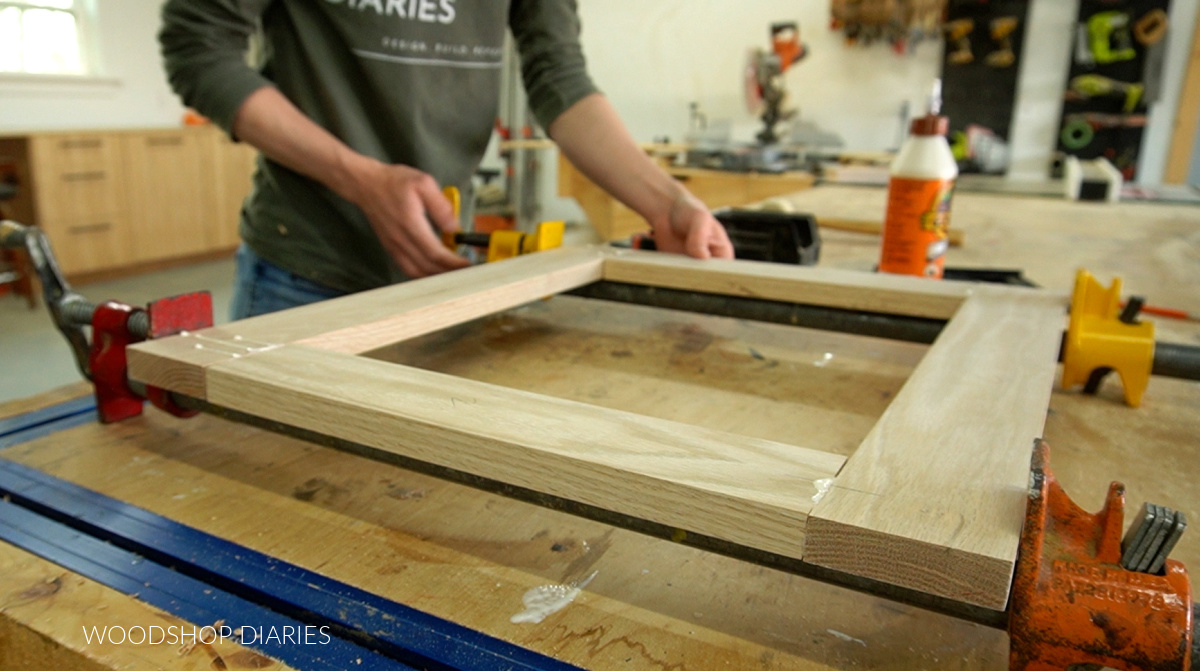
261	287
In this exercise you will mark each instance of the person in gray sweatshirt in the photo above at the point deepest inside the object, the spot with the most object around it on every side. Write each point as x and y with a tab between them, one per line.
363	109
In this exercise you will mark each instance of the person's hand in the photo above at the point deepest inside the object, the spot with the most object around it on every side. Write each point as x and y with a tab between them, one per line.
400	202
691	229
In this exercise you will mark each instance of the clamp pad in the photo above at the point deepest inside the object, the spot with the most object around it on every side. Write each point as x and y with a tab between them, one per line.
1097	339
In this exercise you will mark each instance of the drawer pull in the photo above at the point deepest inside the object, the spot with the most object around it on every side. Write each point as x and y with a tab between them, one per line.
86	143
90	176
89	228
173	141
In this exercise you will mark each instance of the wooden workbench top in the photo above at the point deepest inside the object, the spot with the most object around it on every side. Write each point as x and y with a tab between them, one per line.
469	556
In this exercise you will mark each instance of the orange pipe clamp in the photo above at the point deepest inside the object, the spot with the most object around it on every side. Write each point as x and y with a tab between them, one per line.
1073	602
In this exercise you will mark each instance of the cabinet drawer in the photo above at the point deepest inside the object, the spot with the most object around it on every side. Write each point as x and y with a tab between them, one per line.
85	150
89	244
75	194
77	177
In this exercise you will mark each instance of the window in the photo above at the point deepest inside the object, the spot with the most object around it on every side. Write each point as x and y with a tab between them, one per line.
42	37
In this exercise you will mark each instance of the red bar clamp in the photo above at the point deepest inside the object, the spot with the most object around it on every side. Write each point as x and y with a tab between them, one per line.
115	326
1074	603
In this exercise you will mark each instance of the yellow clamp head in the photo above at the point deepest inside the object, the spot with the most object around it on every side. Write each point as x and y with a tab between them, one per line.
452	194
1097	338
508	244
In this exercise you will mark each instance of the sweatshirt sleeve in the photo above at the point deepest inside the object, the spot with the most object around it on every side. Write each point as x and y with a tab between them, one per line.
552	63
204	45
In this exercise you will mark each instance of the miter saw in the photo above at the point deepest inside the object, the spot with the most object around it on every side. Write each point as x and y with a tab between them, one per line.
767	99
765	93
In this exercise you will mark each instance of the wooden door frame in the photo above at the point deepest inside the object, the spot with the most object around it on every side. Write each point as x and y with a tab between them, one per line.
1187	118
932	500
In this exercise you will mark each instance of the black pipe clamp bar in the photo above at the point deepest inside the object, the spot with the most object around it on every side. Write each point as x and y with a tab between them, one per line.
1170	360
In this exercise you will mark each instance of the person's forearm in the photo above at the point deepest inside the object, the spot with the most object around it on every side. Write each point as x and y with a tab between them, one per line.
593	138
272	124
398	201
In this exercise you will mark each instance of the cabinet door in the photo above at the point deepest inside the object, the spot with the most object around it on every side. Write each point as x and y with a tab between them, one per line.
168	193
233	165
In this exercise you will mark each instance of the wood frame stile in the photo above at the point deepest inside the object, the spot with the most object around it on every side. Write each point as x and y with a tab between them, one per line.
933	499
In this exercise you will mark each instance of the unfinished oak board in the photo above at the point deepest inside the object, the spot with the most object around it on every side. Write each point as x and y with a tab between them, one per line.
913	297
742	490
934	498
367	320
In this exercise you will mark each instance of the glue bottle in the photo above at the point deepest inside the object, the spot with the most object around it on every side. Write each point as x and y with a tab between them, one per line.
920	187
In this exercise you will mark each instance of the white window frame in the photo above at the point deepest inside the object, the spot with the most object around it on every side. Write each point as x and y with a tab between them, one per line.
83	11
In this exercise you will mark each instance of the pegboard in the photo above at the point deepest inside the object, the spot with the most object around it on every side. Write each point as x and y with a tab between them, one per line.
1118	49
980	65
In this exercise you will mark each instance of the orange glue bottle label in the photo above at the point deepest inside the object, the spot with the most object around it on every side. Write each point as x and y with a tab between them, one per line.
914	233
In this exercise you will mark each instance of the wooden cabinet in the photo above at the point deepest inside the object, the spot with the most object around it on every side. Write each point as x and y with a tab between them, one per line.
111	200
78	196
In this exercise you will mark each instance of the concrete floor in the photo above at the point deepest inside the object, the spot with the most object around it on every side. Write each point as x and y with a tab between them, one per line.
34	357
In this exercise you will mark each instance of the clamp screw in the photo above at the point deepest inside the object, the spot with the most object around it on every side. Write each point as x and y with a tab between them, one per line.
1133	307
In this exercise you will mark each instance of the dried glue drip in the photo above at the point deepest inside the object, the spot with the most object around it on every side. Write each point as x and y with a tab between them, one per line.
823	485
846	637
545	600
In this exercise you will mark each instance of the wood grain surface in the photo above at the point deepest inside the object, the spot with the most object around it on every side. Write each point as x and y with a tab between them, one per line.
718	485
898	295
367	320
469	556
743	490
934	498
780	383
45	610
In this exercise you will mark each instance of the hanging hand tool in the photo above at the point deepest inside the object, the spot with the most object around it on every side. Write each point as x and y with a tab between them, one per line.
1002	30
1095	86
1151	28
958	34
1110	38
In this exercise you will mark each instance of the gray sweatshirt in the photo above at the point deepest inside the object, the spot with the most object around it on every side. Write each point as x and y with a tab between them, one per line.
412	82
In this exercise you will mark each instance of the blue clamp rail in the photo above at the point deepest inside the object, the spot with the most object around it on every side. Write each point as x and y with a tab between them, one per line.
43	422
130	549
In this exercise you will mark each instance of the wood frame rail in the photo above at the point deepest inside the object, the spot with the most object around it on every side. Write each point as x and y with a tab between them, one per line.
932	500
